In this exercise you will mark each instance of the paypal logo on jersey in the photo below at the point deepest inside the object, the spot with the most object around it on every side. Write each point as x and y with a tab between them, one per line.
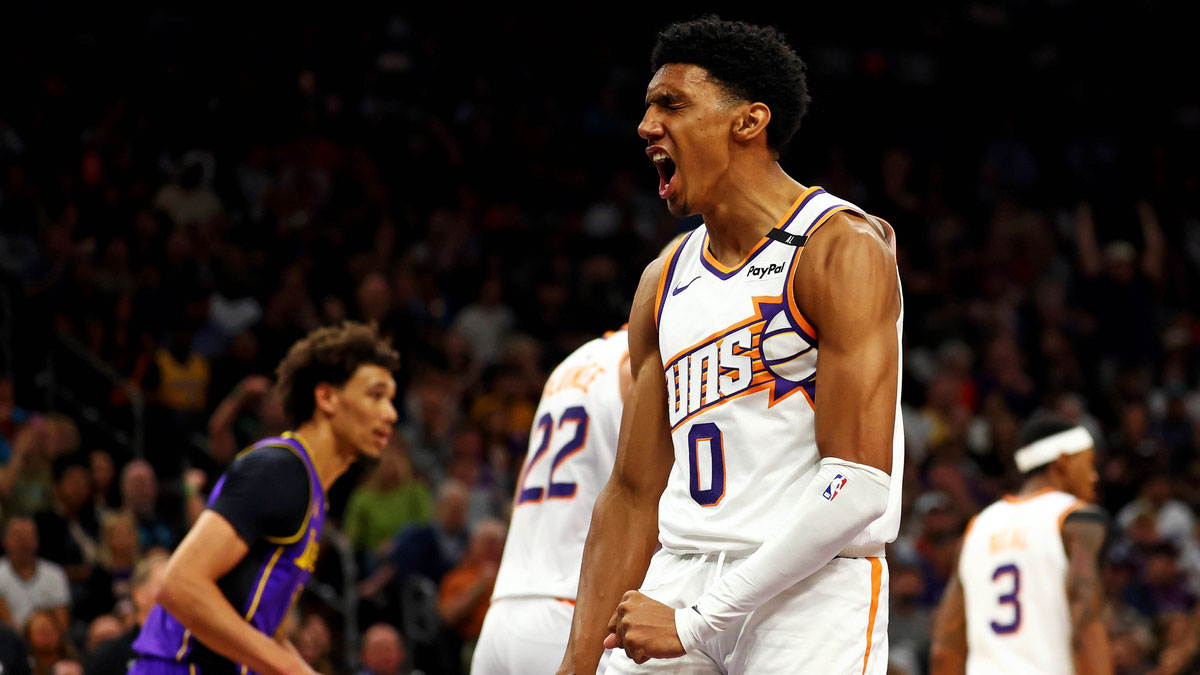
756	272
835	486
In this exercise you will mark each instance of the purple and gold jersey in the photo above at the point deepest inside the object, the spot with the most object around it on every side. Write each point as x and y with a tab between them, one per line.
262	587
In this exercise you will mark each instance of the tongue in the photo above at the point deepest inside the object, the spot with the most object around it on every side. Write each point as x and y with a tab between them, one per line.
664	185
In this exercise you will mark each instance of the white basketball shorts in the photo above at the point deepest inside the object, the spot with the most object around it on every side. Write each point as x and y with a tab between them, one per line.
524	636
835	621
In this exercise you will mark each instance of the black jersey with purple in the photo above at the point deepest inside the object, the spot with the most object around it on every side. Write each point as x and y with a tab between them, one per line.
264	497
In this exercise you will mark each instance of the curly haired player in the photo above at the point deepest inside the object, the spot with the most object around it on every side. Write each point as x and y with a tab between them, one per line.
231	581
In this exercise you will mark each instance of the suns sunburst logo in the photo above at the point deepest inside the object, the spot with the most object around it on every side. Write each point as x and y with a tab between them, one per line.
766	351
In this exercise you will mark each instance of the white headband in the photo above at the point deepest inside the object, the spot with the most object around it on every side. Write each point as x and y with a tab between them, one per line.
1050	448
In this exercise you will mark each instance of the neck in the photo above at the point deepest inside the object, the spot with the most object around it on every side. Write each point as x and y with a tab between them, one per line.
754	200
1040	482
329	459
24	567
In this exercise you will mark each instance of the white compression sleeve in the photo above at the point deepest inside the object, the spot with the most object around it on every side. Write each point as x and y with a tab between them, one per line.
842	500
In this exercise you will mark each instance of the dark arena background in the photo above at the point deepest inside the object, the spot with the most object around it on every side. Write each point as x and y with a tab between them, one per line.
184	193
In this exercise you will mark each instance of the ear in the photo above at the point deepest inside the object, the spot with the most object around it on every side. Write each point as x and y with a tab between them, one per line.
1062	465
752	122
326	398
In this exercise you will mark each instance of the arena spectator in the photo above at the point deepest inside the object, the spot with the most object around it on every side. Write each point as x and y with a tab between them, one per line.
103	474
466	590
102	629
26	483
48	641
486	323
14	657
313	640
12	416
112	656
28	583
382	652
389	500
139	496
68	533
429	550
250	412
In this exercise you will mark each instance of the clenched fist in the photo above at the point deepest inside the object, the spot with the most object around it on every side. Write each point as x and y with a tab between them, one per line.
644	628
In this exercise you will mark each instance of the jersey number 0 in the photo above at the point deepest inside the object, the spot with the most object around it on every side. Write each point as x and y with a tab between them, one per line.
707	434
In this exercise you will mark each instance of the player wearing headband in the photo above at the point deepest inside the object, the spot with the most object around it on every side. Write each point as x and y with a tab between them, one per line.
1026	595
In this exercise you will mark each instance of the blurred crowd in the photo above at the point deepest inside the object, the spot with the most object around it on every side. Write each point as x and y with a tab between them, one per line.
182	195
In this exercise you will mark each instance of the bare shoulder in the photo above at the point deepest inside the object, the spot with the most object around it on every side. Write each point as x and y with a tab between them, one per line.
850	243
643	330
847	272
648	285
1085	530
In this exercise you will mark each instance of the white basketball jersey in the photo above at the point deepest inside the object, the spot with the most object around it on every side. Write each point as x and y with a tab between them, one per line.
571	452
1013	570
740	361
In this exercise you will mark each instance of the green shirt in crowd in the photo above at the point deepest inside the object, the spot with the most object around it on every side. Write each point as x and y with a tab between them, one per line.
373	517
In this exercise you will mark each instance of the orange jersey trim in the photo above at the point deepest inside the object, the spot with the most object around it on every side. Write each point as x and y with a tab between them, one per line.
763	242
1017	499
667	269
876	585
1062	518
789	290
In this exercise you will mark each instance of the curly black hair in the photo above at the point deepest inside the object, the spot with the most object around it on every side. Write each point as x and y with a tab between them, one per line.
328	355
752	63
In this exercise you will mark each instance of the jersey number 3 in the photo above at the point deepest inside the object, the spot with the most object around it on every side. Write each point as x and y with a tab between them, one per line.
554	490
1009	598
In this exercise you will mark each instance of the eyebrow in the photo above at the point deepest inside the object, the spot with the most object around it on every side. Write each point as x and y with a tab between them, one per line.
662	98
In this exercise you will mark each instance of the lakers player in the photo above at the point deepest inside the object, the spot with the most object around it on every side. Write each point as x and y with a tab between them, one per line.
772	497
233	579
1026	595
571	452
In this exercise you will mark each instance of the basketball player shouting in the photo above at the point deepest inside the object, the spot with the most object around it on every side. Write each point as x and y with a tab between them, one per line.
232	579
1026	596
772	497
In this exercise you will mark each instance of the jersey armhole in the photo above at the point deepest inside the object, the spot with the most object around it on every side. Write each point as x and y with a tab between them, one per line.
793	308
308	508
1081	510
664	278
962	541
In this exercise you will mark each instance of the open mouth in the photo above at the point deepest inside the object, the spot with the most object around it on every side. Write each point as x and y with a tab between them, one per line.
666	172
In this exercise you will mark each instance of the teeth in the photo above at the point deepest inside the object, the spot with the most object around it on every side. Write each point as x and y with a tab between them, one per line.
660	156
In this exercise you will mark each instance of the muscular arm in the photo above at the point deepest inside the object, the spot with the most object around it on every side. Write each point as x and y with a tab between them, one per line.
948	653
1083	536
848	288
624	526
209	551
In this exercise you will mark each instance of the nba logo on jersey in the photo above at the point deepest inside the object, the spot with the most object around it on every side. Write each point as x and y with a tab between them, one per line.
835	486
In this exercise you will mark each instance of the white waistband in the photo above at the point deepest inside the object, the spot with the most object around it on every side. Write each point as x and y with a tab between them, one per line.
868	551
